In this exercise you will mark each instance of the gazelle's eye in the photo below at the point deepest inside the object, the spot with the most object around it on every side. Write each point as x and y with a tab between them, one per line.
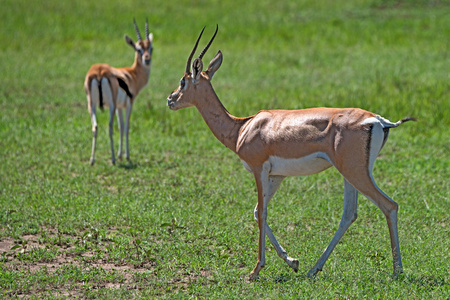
182	83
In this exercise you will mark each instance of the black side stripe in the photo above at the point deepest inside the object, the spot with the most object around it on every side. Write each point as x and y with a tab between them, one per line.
368	143
386	135
101	94
124	86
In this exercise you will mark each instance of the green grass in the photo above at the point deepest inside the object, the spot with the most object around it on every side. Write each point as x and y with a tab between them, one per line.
177	222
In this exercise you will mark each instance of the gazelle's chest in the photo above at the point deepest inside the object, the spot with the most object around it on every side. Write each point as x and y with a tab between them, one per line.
307	165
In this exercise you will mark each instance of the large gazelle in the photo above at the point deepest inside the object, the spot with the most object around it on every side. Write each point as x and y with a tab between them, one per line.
274	144
117	88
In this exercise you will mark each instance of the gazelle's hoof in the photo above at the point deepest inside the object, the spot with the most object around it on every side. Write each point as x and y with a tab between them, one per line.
397	273
294	265
313	272
92	161
253	277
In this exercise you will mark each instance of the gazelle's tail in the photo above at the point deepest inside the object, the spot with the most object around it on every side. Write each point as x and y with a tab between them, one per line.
388	124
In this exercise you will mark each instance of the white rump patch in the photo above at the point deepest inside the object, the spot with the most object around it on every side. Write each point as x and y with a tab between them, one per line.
380	120
370	120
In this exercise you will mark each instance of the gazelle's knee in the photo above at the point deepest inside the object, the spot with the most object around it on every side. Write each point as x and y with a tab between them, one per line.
354	217
390	209
347	220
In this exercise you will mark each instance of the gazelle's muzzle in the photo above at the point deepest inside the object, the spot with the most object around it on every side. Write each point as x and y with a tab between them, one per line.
171	101
173	98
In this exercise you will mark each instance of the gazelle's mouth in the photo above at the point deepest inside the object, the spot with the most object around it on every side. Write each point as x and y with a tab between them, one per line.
170	103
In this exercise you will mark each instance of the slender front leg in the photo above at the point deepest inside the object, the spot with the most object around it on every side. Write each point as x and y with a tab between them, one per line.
120	121
348	217
111	131
274	183
260	177
127	128
94	142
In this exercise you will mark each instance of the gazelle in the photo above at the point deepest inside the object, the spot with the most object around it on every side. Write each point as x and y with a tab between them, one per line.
274	144
117	88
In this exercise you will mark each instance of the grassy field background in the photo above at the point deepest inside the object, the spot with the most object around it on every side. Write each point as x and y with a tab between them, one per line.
177	221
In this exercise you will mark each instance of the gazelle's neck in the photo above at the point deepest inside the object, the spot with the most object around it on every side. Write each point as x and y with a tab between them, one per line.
140	73
223	125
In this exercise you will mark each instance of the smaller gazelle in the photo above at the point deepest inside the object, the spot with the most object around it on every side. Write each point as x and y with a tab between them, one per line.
274	144
117	88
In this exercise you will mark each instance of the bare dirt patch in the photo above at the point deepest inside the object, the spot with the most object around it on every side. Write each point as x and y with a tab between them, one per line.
119	275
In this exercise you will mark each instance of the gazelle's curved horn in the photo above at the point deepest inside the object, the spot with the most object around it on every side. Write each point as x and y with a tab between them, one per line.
210	42
188	65
146	28
137	30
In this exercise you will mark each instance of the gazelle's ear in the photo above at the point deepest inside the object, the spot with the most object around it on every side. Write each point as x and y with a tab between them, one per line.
150	37
214	65
130	42
197	67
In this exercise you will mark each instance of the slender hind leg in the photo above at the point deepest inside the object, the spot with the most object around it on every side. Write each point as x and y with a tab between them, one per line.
93	99
361	178
107	95
390	211
348	217
366	185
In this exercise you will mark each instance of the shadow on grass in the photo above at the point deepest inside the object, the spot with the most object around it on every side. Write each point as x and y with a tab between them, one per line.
427	281
129	165
283	278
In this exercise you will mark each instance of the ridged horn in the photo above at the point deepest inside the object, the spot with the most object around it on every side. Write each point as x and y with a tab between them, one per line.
146	28
209	44
137	30
188	65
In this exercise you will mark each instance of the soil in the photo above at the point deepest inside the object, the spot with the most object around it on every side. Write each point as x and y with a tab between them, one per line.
11	249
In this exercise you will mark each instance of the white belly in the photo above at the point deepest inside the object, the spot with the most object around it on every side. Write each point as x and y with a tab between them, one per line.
122	99
311	164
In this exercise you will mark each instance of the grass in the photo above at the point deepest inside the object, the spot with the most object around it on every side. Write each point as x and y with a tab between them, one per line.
177	221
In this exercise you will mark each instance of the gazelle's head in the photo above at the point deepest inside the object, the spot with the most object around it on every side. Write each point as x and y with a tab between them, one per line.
190	84
143	48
